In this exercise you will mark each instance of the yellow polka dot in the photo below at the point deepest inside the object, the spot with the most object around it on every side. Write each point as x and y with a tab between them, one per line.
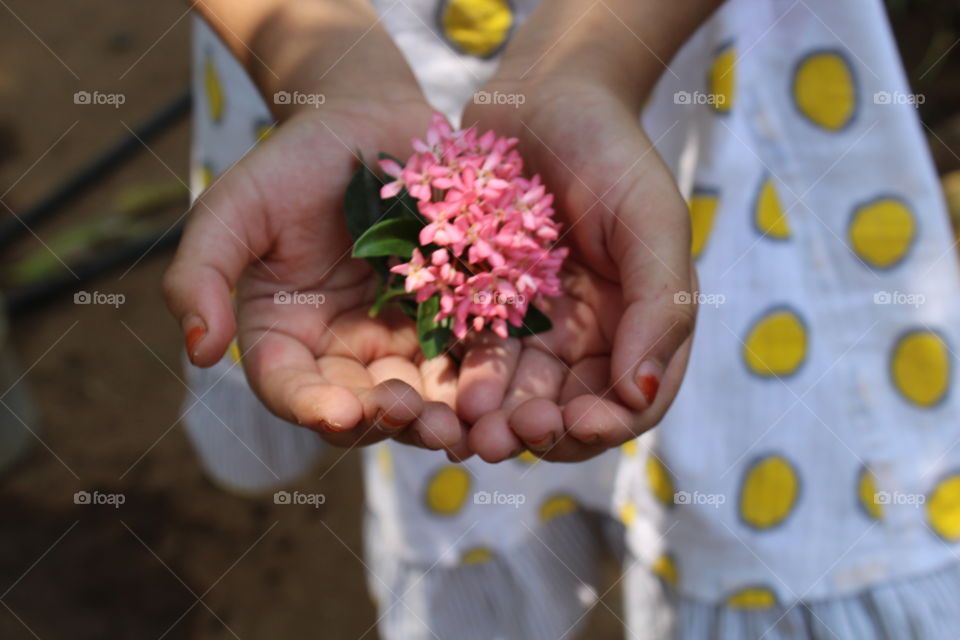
824	90
721	79
752	598
703	209
769	492
233	351
263	130
476	555
557	505
447	490
776	345
628	513
921	368
769	216
659	480
943	508
629	448
205	175
385	460
214	91
527	457
881	232
477	27
666	569
867	492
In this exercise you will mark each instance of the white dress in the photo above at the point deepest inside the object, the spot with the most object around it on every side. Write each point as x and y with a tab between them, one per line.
806	483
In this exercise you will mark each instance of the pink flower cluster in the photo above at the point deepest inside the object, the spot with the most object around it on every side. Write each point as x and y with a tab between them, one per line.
492	229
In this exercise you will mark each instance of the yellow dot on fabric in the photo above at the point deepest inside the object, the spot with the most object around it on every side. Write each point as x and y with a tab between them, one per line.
661	485
477	27
447	490
666	569
527	457
769	216
476	555
752	598
384	460
234	352
824	90
206	176
703	210
211	83
776	344
557	505
867	492
881	232
629	448
769	492
628	513
943	508
921	368
721	80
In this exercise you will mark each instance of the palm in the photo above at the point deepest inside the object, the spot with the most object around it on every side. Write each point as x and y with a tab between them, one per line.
310	350
572	391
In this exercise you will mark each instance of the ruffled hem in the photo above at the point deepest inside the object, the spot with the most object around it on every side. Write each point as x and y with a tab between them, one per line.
923	607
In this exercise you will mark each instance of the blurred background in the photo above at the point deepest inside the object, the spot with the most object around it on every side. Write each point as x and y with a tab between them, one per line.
92	196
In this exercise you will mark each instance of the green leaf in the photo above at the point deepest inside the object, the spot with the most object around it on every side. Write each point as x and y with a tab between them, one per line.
534	322
361	203
397	237
384	297
433	337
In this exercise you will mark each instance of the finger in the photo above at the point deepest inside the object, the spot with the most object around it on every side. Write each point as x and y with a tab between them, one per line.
288	380
538	423
395	401
600	422
485	373
437	427
492	439
538	375
439	379
590	376
225	233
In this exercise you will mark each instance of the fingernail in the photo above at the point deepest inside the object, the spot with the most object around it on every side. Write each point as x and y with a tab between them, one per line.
648	380
194	331
330	427
542	444
384	420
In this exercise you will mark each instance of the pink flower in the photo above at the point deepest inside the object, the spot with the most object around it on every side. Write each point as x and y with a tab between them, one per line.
491	231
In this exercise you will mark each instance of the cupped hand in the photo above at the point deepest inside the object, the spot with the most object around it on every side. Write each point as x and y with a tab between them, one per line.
614	360
272	229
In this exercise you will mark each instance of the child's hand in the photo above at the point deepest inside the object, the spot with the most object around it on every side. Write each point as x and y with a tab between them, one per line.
615	358
272	228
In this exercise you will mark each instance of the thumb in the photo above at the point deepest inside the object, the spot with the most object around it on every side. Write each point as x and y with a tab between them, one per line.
225	233
649	240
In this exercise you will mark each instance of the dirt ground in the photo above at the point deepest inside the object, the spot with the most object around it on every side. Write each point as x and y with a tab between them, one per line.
180	558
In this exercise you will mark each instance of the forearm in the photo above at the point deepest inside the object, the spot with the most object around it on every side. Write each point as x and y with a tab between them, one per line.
312	46
623	44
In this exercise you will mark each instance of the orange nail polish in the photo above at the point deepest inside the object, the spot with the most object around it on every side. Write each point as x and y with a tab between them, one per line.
390	422
649	385
194	336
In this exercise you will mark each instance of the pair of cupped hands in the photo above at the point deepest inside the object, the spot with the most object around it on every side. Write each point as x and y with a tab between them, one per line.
606	372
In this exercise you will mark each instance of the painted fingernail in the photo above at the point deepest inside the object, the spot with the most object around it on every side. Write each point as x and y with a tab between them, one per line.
330	427
390	422
194	331
542	444
648	380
